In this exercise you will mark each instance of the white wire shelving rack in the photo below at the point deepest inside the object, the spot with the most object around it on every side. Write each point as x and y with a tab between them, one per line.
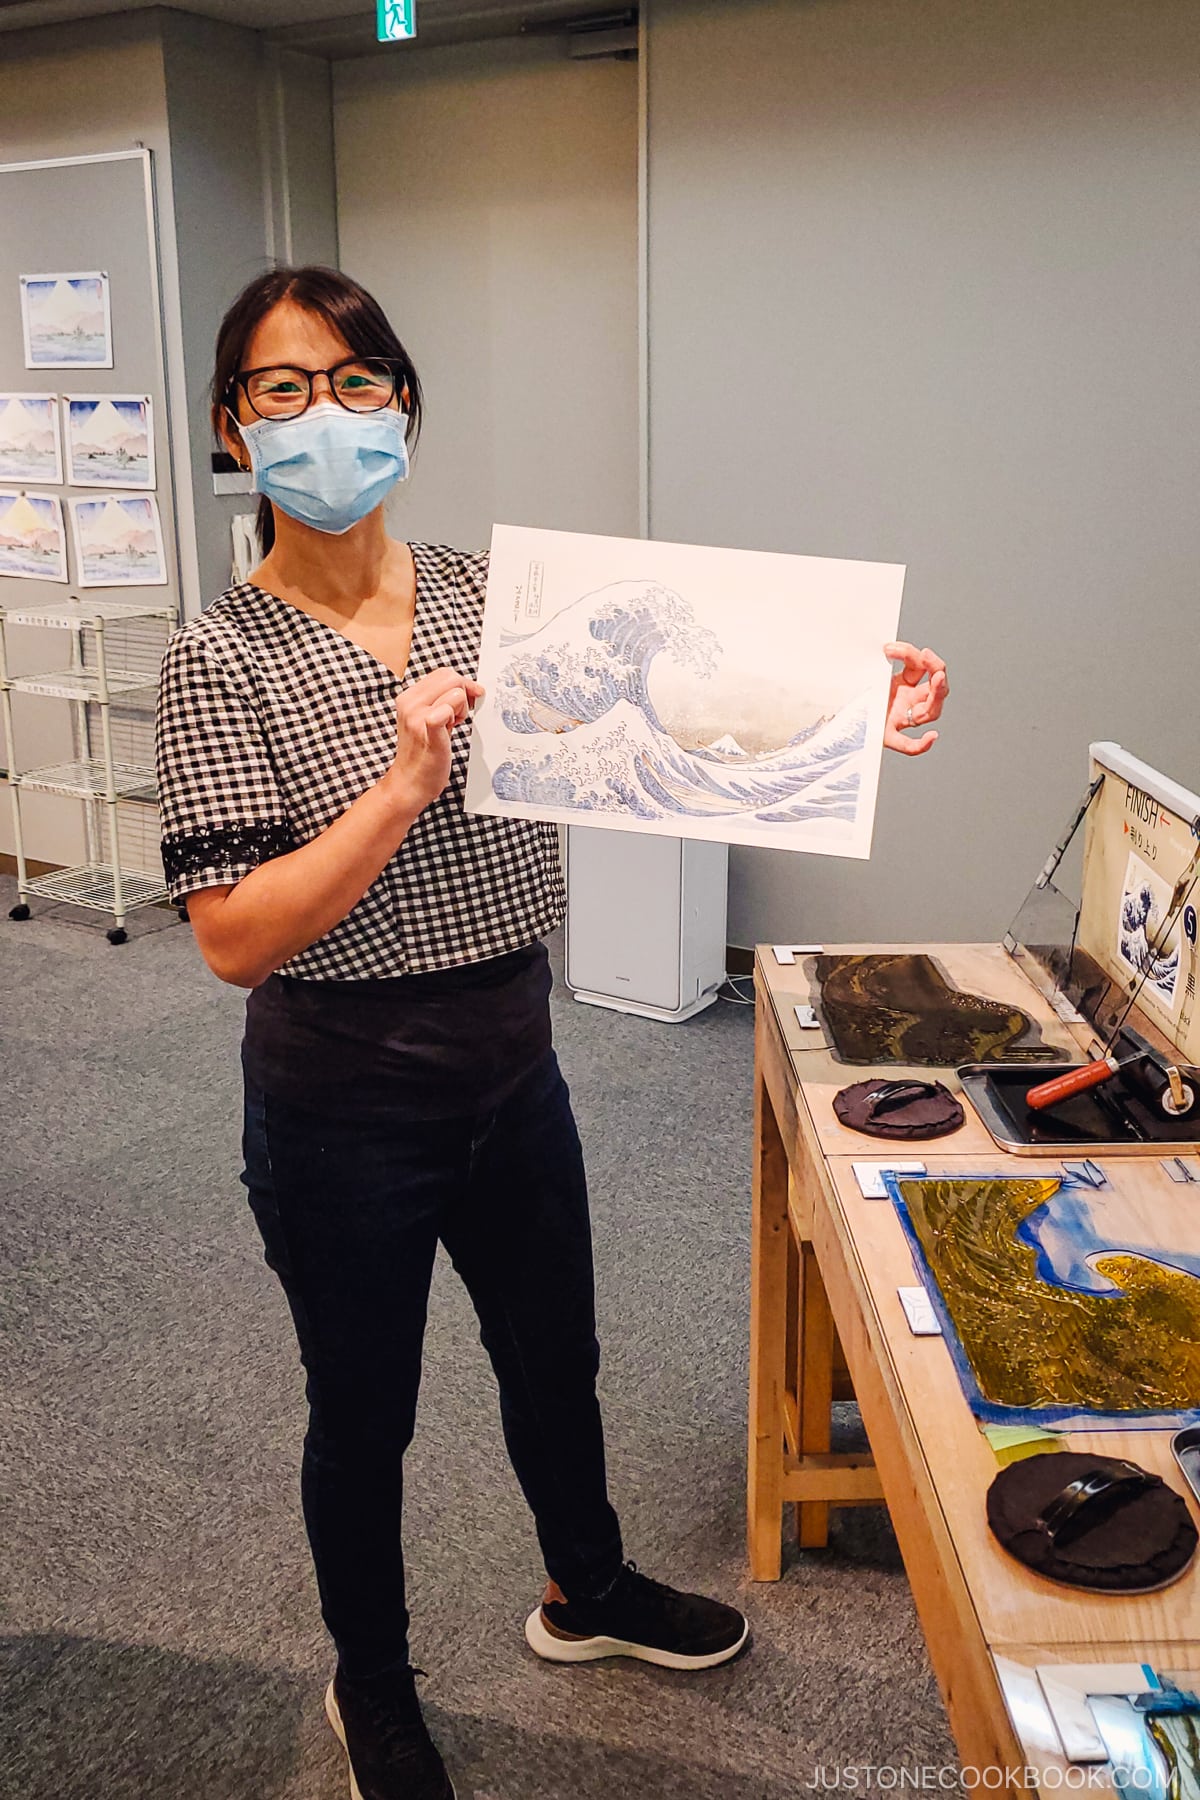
92	682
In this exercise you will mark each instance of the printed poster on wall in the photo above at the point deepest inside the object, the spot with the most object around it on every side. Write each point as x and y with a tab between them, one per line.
67	321
733	695
110	440
33	544
118	541
30	447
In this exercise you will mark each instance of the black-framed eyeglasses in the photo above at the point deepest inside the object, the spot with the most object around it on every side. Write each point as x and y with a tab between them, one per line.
359	384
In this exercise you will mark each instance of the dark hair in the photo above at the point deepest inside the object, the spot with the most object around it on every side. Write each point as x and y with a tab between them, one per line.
342	303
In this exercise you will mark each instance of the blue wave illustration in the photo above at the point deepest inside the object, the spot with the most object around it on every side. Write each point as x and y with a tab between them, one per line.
1140	922
560	687
1078	1226
610	752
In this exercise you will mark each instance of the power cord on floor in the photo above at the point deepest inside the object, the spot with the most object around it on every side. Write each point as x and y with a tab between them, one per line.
736	983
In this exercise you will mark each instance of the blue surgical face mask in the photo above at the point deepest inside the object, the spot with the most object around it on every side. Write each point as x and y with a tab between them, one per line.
329	467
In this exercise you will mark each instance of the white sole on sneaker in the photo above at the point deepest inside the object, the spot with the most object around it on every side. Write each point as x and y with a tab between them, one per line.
335	1719
552	1648
333	1714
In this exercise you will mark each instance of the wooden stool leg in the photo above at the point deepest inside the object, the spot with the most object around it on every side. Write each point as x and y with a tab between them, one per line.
791	1354
843	1387
814	1388
768	1340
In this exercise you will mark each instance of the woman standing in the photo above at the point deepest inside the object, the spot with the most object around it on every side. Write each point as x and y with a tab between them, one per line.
400	1083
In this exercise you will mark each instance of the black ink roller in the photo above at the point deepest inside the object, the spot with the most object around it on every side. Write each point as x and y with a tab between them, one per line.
1163	1087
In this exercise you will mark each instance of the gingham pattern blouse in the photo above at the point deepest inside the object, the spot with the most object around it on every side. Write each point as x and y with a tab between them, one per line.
270	723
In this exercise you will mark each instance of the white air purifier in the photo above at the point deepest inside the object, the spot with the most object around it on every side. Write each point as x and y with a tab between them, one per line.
645	922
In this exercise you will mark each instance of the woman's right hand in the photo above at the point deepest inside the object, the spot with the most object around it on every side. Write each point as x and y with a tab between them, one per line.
426	714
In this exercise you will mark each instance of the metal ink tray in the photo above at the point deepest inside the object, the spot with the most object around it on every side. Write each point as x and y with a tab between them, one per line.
1113	1118
1186	1448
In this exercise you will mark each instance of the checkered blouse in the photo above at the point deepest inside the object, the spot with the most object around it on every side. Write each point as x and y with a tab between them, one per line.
271	723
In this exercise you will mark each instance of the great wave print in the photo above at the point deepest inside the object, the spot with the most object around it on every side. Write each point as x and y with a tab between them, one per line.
695	706
610	752
1145	905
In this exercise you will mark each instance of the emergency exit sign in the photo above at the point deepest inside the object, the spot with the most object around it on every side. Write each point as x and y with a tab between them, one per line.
395	20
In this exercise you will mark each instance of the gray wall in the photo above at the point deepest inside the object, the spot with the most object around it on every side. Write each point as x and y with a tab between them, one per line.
488	195
252	181
923	282
304	191
78	90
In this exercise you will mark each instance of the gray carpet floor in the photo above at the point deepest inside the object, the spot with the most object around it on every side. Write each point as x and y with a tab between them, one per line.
160	1634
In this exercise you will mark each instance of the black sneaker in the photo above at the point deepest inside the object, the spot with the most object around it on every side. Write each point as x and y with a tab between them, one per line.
392	1756
637	1617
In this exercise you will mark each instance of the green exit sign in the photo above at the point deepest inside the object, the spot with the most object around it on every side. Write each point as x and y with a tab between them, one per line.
395	20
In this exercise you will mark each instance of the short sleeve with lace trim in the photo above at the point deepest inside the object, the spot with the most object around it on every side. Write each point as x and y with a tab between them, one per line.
222	811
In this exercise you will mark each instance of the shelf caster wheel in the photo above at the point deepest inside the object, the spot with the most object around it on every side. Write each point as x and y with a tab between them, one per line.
118	935
18	912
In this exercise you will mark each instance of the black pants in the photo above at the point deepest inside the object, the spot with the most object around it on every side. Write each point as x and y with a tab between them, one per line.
351	1215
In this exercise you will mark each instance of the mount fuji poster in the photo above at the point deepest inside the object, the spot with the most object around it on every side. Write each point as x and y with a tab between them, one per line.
67	321
32	542
110	440
734	695
29	443
118	541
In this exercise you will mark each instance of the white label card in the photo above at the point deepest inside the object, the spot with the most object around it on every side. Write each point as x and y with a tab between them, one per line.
918	1310
869	1176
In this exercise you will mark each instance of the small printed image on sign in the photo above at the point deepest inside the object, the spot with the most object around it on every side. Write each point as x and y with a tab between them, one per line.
33	545
67	321
29	442
1145	904
118	541
110	440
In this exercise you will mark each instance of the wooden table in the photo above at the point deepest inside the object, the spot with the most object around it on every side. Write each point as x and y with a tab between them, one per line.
826	1266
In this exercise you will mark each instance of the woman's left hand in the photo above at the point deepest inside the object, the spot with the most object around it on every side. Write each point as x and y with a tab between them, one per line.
919	692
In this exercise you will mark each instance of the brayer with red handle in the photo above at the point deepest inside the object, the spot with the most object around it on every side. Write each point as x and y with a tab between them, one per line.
1075	1081
1164	1084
